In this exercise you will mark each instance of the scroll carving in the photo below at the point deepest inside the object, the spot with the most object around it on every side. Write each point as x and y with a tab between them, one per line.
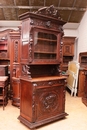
49	102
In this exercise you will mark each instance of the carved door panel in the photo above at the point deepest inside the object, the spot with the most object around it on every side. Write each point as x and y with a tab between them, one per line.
68	49
49	102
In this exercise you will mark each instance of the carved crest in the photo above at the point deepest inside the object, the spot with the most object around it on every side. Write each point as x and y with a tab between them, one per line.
49	11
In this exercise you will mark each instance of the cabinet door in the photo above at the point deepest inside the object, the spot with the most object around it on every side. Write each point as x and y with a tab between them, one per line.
68	49
45	45
68	46
49	102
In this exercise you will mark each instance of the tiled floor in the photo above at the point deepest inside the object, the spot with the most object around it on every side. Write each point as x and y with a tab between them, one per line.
76	120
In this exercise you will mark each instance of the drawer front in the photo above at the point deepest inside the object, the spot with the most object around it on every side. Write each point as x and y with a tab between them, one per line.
49	83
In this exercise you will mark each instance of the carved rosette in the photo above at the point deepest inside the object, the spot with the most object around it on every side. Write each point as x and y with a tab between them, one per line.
48	102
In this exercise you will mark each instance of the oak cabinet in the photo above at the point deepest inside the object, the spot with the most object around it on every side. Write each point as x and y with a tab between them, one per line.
42	87
15	43
81	82
42	100
82	85
82	72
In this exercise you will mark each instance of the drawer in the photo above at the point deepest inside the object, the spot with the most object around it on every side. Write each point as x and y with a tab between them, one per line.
50	83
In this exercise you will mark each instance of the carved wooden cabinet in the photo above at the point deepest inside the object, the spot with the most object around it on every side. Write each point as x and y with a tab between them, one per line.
82	73
42	88
14	41
81	82
68	51
42	100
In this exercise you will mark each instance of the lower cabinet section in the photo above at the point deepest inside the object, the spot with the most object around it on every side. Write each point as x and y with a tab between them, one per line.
42	100
81	83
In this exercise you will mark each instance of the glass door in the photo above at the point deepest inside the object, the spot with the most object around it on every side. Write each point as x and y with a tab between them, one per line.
45	45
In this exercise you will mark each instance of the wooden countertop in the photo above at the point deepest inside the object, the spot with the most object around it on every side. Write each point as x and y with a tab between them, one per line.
45	78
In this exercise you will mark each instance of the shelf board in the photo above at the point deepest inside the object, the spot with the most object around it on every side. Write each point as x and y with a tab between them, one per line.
44	39
42	52
68	55
3	49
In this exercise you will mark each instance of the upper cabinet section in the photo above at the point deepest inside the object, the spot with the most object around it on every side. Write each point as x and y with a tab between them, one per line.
41	36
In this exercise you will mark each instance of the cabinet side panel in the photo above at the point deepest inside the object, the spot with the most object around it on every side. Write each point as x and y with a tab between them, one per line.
26	99
25	38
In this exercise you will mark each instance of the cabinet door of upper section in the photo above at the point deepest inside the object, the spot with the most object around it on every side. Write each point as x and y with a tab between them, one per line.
42	47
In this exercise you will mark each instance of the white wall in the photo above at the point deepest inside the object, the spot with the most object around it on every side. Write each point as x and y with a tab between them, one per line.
82	35
71	32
